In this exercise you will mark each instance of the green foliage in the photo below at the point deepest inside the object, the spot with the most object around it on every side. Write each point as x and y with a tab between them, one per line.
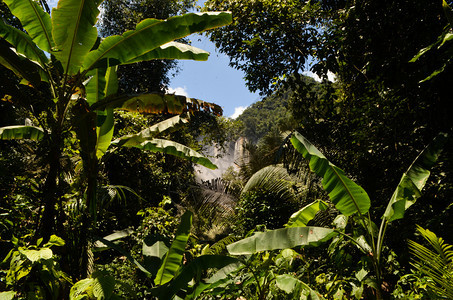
437	264
349	192
250	41
348	197
268	198
34	271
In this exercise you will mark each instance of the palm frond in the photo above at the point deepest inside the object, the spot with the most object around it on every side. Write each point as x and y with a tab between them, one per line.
274	179
111	193
213	208
437	263
220	247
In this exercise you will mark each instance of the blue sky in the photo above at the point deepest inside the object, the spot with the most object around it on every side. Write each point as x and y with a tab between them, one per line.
213	80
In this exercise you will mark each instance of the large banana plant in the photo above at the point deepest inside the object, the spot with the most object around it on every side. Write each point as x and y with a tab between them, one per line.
65	55
351	201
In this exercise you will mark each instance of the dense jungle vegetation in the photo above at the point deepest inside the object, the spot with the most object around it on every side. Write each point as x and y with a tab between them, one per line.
344	192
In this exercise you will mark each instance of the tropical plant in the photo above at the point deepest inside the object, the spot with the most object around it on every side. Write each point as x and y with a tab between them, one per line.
74	72
353	203
33	271
436	263
169	268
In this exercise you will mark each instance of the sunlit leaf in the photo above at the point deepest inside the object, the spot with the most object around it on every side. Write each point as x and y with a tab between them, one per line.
22	43
173	50
151	34
74	32
305	214
413	181
34	20
176	149
281	239
348	197
173	259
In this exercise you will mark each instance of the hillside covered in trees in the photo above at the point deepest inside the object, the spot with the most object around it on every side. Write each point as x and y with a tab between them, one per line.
346	190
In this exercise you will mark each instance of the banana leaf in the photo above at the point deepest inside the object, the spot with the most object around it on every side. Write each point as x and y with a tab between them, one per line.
105	122
173	259
157	103
305	214
23	44
150	133
149	35
21	132
34	20
348	197
281	239
290	284
74	32
22	67
172	50
176	149
193	270
413	181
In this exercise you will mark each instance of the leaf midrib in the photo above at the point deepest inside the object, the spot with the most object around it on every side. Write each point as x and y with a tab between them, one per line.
41	22
123	38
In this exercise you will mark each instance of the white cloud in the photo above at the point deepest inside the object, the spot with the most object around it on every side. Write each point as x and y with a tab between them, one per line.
178	91
330	76
238	111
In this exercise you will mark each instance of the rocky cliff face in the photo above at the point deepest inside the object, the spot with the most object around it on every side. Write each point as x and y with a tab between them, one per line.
234	155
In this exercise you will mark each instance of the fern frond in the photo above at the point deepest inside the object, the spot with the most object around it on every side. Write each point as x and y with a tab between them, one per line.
437	263
220	247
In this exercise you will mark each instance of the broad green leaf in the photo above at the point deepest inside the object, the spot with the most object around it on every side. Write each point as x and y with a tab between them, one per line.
35	21
173	50
360	275
102	83
413	181
104	131
176	149
21	132
114	236
95	87
103	285
173	259
23	43
79	288
290	284
193	270
35	255
307	213
281	239
157	103
348	197
340	222
150	133
20	65
74	32
158	249
363	244
9	295
151	34
54	241
99	286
